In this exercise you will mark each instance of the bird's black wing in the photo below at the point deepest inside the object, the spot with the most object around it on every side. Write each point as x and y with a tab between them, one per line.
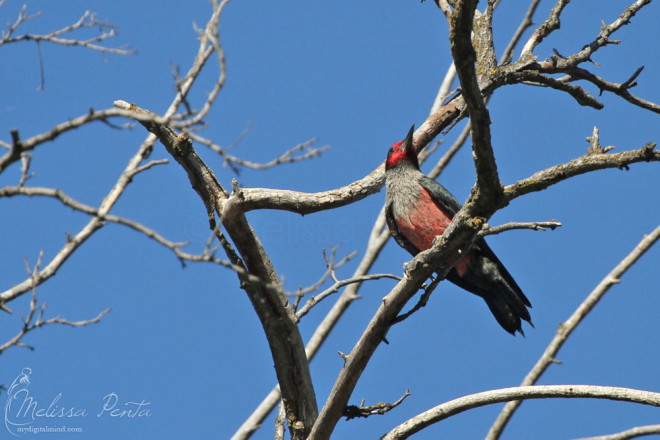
442	198
481	245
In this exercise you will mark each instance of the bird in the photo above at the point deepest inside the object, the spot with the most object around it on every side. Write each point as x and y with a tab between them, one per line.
417	209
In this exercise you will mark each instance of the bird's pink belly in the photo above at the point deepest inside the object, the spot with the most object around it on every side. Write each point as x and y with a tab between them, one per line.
424	223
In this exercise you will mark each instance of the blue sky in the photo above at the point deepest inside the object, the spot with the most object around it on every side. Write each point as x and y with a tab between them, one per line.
355	75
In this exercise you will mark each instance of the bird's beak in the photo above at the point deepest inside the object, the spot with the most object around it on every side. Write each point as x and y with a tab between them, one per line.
408	141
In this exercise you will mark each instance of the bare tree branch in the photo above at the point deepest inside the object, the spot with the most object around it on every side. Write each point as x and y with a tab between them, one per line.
578	93
66	200
289	156
175	247
536	226
507	55
619	89
603	37
331	267
73	242
456	406
267	297
280	422
247	199
546	28
467	62
569	65
86	21
209	43
135	163
445	87
26	159
584	164
29	322
335	288
423	300
19	146
380	408
638	431
567	327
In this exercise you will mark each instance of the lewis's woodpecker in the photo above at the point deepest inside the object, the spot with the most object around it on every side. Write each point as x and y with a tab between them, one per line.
418	209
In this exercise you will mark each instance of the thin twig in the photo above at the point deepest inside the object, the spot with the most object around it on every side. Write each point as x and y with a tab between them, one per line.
380	408
338	285
423	300
535	226
210	41
87	21
29	322
331	266
298	153
603	37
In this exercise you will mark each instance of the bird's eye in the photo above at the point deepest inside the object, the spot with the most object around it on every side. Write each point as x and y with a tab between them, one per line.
392	150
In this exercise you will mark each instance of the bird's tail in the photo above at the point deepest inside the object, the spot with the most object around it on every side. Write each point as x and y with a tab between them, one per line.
509	310
487	277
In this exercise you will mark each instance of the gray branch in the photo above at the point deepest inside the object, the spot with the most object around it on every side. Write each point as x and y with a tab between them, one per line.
637	431
19	146
584	164
619	89
456	406
535	226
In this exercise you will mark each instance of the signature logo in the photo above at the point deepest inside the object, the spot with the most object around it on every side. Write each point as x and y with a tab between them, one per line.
17	389
24	413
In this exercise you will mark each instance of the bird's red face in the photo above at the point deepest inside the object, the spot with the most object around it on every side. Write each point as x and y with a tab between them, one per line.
396	154
402	151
